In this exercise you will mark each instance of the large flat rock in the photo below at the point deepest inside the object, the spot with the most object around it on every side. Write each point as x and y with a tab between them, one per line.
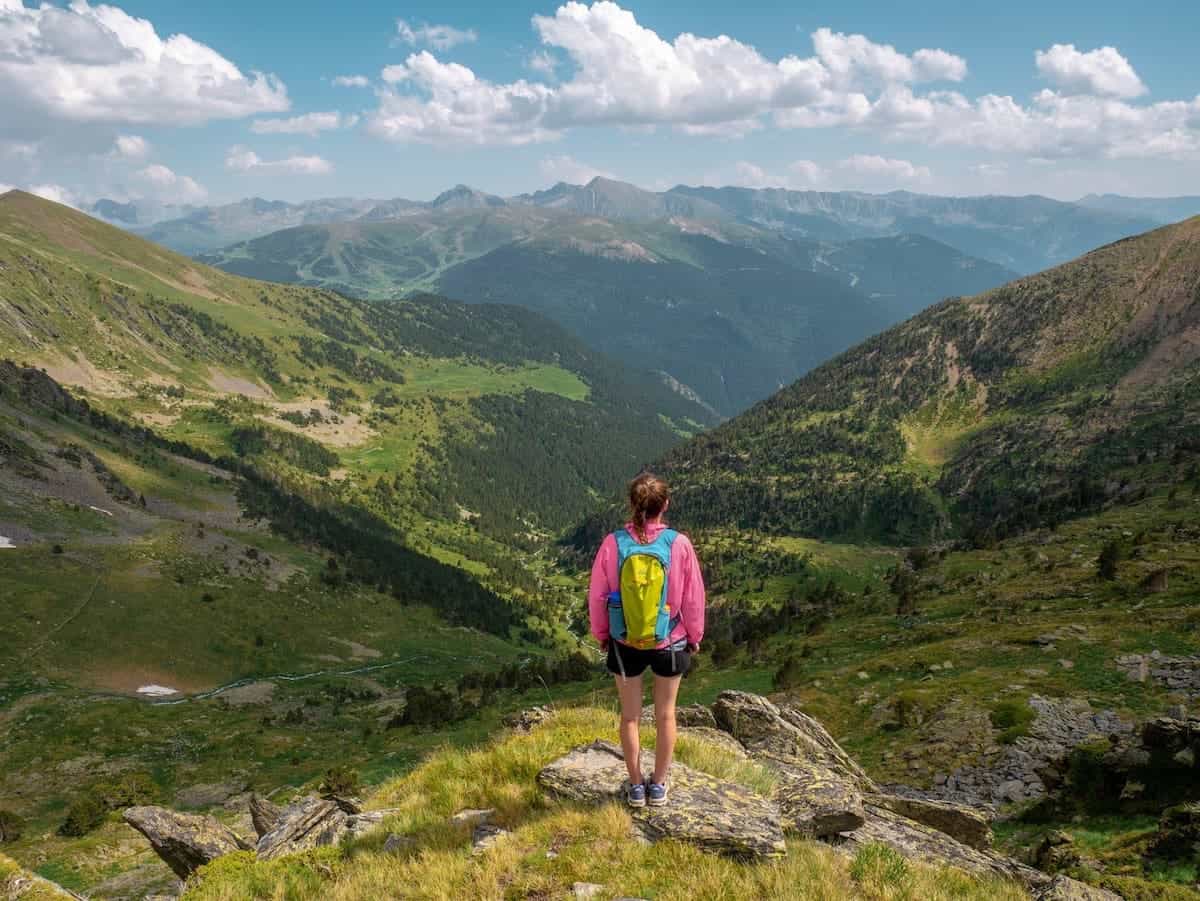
716	815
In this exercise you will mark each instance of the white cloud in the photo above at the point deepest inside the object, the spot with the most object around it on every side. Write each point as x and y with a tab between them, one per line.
57	193
131	147
242	159
165	186
1104	71
572	171
98	64
542	62
938	65
439	37
806	173
855	60
309	124
879	167
351	81
624	74
749	175
435	102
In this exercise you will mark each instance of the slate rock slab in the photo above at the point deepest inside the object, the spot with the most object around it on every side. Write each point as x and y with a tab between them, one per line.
715	815
184	841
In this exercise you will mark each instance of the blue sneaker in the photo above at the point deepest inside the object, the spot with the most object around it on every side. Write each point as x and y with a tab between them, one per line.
635	794
656	795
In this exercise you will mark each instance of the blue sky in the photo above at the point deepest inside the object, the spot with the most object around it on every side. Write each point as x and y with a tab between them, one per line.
207	102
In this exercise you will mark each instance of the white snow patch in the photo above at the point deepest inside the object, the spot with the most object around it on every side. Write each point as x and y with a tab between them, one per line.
156	691
5	542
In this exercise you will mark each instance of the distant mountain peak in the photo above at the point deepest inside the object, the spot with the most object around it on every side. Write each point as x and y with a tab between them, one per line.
462	197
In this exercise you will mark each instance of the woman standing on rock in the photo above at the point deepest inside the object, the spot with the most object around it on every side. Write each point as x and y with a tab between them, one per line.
646	605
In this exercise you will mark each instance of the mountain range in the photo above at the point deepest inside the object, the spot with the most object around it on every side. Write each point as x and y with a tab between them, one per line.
1024	234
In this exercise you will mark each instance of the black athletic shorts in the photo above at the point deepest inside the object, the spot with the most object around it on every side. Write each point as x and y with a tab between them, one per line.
626	661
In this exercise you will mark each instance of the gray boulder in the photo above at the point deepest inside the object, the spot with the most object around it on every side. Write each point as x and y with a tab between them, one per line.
184	841
311	823
816	803
785	736
963	823
718	816
263	814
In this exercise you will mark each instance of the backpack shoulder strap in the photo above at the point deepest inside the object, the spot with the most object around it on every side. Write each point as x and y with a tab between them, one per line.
625	544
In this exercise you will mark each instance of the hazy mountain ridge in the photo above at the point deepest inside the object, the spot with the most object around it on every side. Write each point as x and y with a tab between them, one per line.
1022	233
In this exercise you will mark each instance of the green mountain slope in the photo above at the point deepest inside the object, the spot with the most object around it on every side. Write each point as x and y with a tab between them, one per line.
1053	395
731	323
431	414
383	258
749	309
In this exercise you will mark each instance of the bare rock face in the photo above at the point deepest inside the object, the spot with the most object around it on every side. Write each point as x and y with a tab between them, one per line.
819	783
1063	888
718	816
820	788
958	821
307	824
315	822
816	803
263	814
184	841
785	736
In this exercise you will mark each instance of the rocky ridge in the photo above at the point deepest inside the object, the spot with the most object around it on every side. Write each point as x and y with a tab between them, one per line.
820	793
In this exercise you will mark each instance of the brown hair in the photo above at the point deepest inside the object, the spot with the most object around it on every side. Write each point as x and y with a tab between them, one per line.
648	496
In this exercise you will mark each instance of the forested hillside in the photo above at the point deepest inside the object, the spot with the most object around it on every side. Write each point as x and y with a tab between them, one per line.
413	410
732	310
1053	395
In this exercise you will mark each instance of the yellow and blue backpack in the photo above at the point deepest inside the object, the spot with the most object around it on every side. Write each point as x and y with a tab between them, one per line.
638	614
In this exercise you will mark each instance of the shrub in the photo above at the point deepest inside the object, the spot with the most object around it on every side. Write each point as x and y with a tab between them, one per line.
85	814
1012	719
790	674
127	790
11	826
1110	556
340	780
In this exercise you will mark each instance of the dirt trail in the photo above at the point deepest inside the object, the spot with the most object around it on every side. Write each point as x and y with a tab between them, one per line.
74	615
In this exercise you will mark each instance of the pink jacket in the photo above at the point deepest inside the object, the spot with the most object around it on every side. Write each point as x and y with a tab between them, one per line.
685	587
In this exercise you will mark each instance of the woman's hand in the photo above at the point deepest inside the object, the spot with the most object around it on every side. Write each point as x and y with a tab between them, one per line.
693	648
604	646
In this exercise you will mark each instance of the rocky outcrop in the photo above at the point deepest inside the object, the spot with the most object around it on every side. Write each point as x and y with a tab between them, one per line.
1181	674
796	746
785	736
263	814
21	885
814	802
718	816
184	841
958	821
1063	888
1033	765
316	822
1178	836
188	841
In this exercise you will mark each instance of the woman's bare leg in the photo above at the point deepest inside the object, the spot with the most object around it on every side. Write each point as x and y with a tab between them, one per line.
629	689
665	692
